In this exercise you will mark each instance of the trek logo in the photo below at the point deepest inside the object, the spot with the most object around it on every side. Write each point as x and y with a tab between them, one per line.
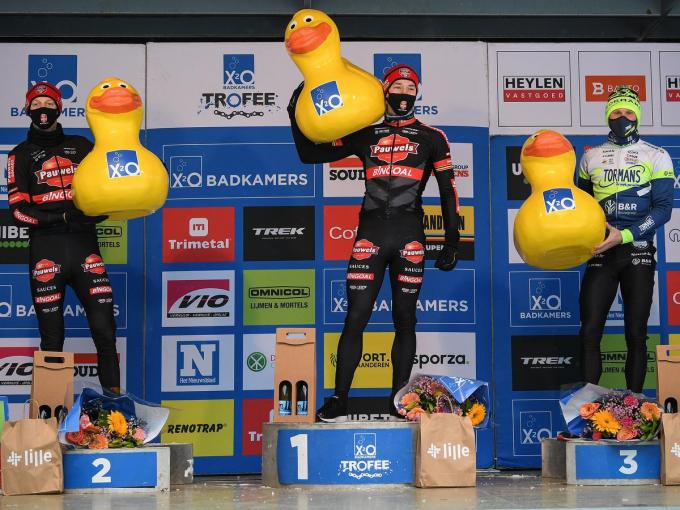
198	298
57	172
413	252
198	363
94	264
59	70
545	294
547	361
534	89
123	163
598	88
326	98
393	149
279	231
364	249
239	71
672	89
45	270
558	199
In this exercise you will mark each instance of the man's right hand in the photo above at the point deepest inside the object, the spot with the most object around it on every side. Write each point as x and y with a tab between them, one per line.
294	99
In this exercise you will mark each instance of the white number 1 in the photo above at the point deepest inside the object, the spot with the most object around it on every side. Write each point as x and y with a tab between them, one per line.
630	466
300	442
105	465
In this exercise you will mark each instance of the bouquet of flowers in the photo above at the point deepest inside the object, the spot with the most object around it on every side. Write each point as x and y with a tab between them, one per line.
103	428
99	421
441	394
611	414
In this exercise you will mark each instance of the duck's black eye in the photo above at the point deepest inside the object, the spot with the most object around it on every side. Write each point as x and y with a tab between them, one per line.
292	26
309	19
106	86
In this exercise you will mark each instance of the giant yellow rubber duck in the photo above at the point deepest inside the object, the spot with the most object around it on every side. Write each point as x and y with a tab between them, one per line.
338	97
558	226
119	178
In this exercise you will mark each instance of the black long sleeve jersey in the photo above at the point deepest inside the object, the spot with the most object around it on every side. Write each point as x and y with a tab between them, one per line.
39	175
398	158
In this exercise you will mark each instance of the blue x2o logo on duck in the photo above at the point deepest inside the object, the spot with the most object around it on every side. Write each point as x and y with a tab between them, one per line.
122	163
558	199
326	98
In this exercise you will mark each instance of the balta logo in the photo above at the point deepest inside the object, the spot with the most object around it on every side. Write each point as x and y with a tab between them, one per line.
545	294
534	89
94	264
45	270
326	98
123	163
239	71
57	172
598	88
59	70
413	252
672	89
198	363
364	249
558	199
393	148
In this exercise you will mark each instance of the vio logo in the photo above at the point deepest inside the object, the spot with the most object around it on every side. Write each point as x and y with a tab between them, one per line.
239	71
122	163
326	98
558	199
365	446
545	294
197	363
60	70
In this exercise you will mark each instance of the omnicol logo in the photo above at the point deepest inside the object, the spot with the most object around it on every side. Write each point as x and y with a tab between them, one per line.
534	89
278	297
200	234
598	88
198	298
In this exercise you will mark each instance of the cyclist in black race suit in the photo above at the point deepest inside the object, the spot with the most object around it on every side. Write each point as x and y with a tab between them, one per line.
63	241
633	182
398	156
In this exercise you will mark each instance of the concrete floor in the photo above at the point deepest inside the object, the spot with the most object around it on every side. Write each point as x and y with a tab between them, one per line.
494	491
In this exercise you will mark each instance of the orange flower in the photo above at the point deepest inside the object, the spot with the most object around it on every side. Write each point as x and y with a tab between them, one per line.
409	398
77	438
650	411
118	423
477	413
588	410
625	434
604	421
414	414
99	442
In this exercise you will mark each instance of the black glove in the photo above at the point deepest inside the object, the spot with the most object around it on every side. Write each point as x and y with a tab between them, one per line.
77	216
294	99
448	258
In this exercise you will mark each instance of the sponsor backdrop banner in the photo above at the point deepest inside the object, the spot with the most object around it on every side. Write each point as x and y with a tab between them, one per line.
252	239
74	69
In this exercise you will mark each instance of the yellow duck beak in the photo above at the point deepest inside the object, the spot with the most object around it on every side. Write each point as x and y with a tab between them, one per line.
546	144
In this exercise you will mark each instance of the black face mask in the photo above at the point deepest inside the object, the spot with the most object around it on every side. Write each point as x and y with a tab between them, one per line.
44	117
402	104
622	127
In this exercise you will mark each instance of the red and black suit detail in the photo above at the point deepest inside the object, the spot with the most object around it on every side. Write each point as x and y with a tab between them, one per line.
61	252
398	158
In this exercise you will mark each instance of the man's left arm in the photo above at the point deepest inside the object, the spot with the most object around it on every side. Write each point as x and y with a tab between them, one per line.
443	172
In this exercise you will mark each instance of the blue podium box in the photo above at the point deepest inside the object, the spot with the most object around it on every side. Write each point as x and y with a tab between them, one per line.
351	453
117	470
613	463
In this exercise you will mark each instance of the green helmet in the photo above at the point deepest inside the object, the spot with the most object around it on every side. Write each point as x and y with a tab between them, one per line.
623	97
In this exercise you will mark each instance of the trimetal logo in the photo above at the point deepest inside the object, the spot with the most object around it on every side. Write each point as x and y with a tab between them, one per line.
59	70
534	89
123	163
545	294
198	362
239	71
326	98
672	89
558	199
198	227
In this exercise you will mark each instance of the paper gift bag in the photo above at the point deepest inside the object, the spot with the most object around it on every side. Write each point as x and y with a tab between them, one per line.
670	449
52	385
446	456
31	458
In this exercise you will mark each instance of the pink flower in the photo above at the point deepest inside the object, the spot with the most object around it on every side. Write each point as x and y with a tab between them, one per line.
139	434
414	414
597	436
409	398
588	410
630	401
627	421
86	425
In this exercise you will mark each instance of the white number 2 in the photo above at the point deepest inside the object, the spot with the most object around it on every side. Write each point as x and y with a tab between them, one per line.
630	466
300	442
105	465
